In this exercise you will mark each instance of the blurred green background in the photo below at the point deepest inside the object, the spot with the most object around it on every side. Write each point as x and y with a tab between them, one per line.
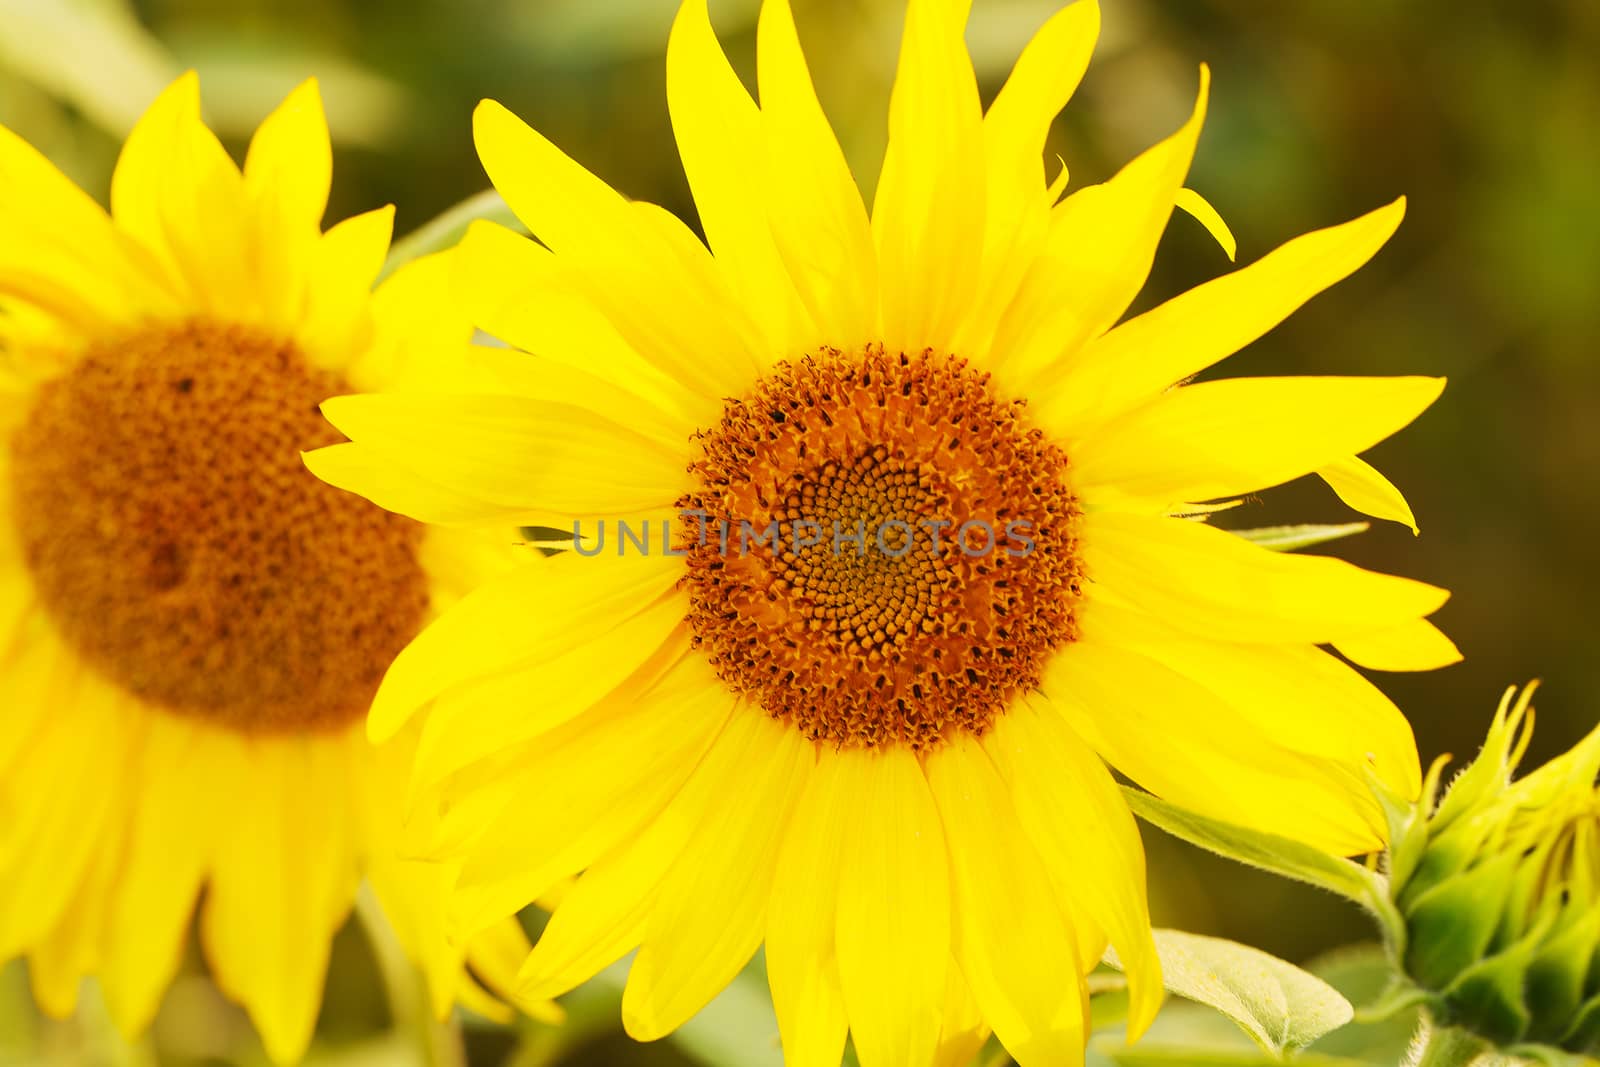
1485	113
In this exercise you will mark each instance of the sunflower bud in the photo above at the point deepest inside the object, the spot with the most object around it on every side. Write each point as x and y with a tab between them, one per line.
1498	883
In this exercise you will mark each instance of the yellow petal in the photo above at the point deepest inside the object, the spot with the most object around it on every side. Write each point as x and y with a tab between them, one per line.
1417	645
1227	438
1016	951
816	215
927	217
1101	244
550	815
285	879
1144	356
893	930
287	174
802	965
1215	585
962	1032
1339	715
1202	212
1360	485
1076	819
337	324
1185	743
418	340
1017	215
709	915
369	473
177	820
492	629
58	963
58	801
528	455
518	291
716	126
177	191
612	906
647	273
62	254
480	717
290	160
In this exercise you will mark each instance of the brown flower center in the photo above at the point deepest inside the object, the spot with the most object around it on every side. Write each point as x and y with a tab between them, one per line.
185	552
879	550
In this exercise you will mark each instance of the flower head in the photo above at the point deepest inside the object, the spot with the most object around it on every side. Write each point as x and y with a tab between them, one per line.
1498	882
882	538
191	626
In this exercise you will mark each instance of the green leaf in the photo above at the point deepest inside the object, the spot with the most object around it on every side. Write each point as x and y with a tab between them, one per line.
1270	852
1280	1006
92	53
446	229
1289	538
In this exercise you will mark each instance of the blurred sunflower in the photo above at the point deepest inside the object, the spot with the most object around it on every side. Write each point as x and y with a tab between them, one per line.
191	626
883	761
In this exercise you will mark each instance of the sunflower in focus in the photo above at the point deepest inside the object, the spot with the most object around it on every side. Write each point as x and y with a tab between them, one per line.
875	737
192	626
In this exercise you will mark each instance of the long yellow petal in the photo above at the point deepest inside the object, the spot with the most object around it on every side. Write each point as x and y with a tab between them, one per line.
1215	585
1338	714
287	174
1076	819
716	125
1360	485
640	267
612	906
492	629
893	928
176	822
336	324
1101	245
817	216
523	453
61	252
483	716
1227	438
549	815
1183	742
1144	356
802	964
285	879
1417	645
1015	948
290	160
927	217
369	473
1017	215
519	292
710	913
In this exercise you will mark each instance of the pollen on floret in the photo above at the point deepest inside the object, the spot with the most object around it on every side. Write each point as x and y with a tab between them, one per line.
183	551
880	551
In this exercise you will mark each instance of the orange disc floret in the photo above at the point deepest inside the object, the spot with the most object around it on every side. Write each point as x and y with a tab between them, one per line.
182	549
879	550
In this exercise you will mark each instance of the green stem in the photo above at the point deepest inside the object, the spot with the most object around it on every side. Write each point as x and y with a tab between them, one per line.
439	1041
445	230
1447	1046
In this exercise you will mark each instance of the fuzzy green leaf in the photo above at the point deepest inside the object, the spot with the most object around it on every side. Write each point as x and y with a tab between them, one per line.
1281	1007
1269	852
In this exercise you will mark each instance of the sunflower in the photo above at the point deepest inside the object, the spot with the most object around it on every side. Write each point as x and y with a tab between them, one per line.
191	626
883	543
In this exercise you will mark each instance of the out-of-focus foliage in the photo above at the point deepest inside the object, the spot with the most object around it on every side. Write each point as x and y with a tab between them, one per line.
1485	113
